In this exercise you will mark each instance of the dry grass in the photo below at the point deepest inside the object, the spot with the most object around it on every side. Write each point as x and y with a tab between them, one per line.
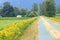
55	22
32	32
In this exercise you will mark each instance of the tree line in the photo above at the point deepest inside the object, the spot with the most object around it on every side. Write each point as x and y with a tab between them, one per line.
58	9
46	8
9	11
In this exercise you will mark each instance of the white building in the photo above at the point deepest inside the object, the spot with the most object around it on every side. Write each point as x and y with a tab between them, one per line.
19	16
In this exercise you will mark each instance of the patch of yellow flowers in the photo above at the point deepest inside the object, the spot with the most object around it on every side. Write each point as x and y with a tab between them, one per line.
16	30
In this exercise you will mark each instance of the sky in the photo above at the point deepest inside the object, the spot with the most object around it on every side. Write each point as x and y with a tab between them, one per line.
25	3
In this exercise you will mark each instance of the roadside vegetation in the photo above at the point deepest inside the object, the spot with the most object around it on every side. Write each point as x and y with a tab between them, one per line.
5	21
15	30
56	18
32	31
14	18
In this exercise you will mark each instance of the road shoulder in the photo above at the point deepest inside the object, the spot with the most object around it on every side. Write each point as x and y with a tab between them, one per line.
32	32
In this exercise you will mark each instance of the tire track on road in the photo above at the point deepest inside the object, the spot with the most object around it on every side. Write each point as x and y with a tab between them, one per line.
43	33
54	33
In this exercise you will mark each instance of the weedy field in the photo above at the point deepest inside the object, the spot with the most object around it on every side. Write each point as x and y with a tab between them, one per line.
13	28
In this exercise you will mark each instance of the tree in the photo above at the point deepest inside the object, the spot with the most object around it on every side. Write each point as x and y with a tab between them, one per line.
23	11
0	11
47	8
16	11
50	8
58	9
34	11
8	10
32	14
35	7
43	8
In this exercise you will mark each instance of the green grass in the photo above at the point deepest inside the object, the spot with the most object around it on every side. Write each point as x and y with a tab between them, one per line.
13	18
16	30
5	21
56	18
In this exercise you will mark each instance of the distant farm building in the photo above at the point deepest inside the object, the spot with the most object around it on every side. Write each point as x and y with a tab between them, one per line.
19	16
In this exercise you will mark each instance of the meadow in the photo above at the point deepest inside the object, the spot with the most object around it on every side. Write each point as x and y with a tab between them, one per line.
12	28
13	18
5	21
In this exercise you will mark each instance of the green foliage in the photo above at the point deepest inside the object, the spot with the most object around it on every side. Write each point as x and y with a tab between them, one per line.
32	14
34	11
58	9
48	8
16	30
8	10
16	11
35	7
56	18
23	11
43	8
5	21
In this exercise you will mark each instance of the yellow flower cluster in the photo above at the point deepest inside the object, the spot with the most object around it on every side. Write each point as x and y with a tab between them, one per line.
16	30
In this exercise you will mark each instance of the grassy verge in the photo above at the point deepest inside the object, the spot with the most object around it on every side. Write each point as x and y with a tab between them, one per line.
16	30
